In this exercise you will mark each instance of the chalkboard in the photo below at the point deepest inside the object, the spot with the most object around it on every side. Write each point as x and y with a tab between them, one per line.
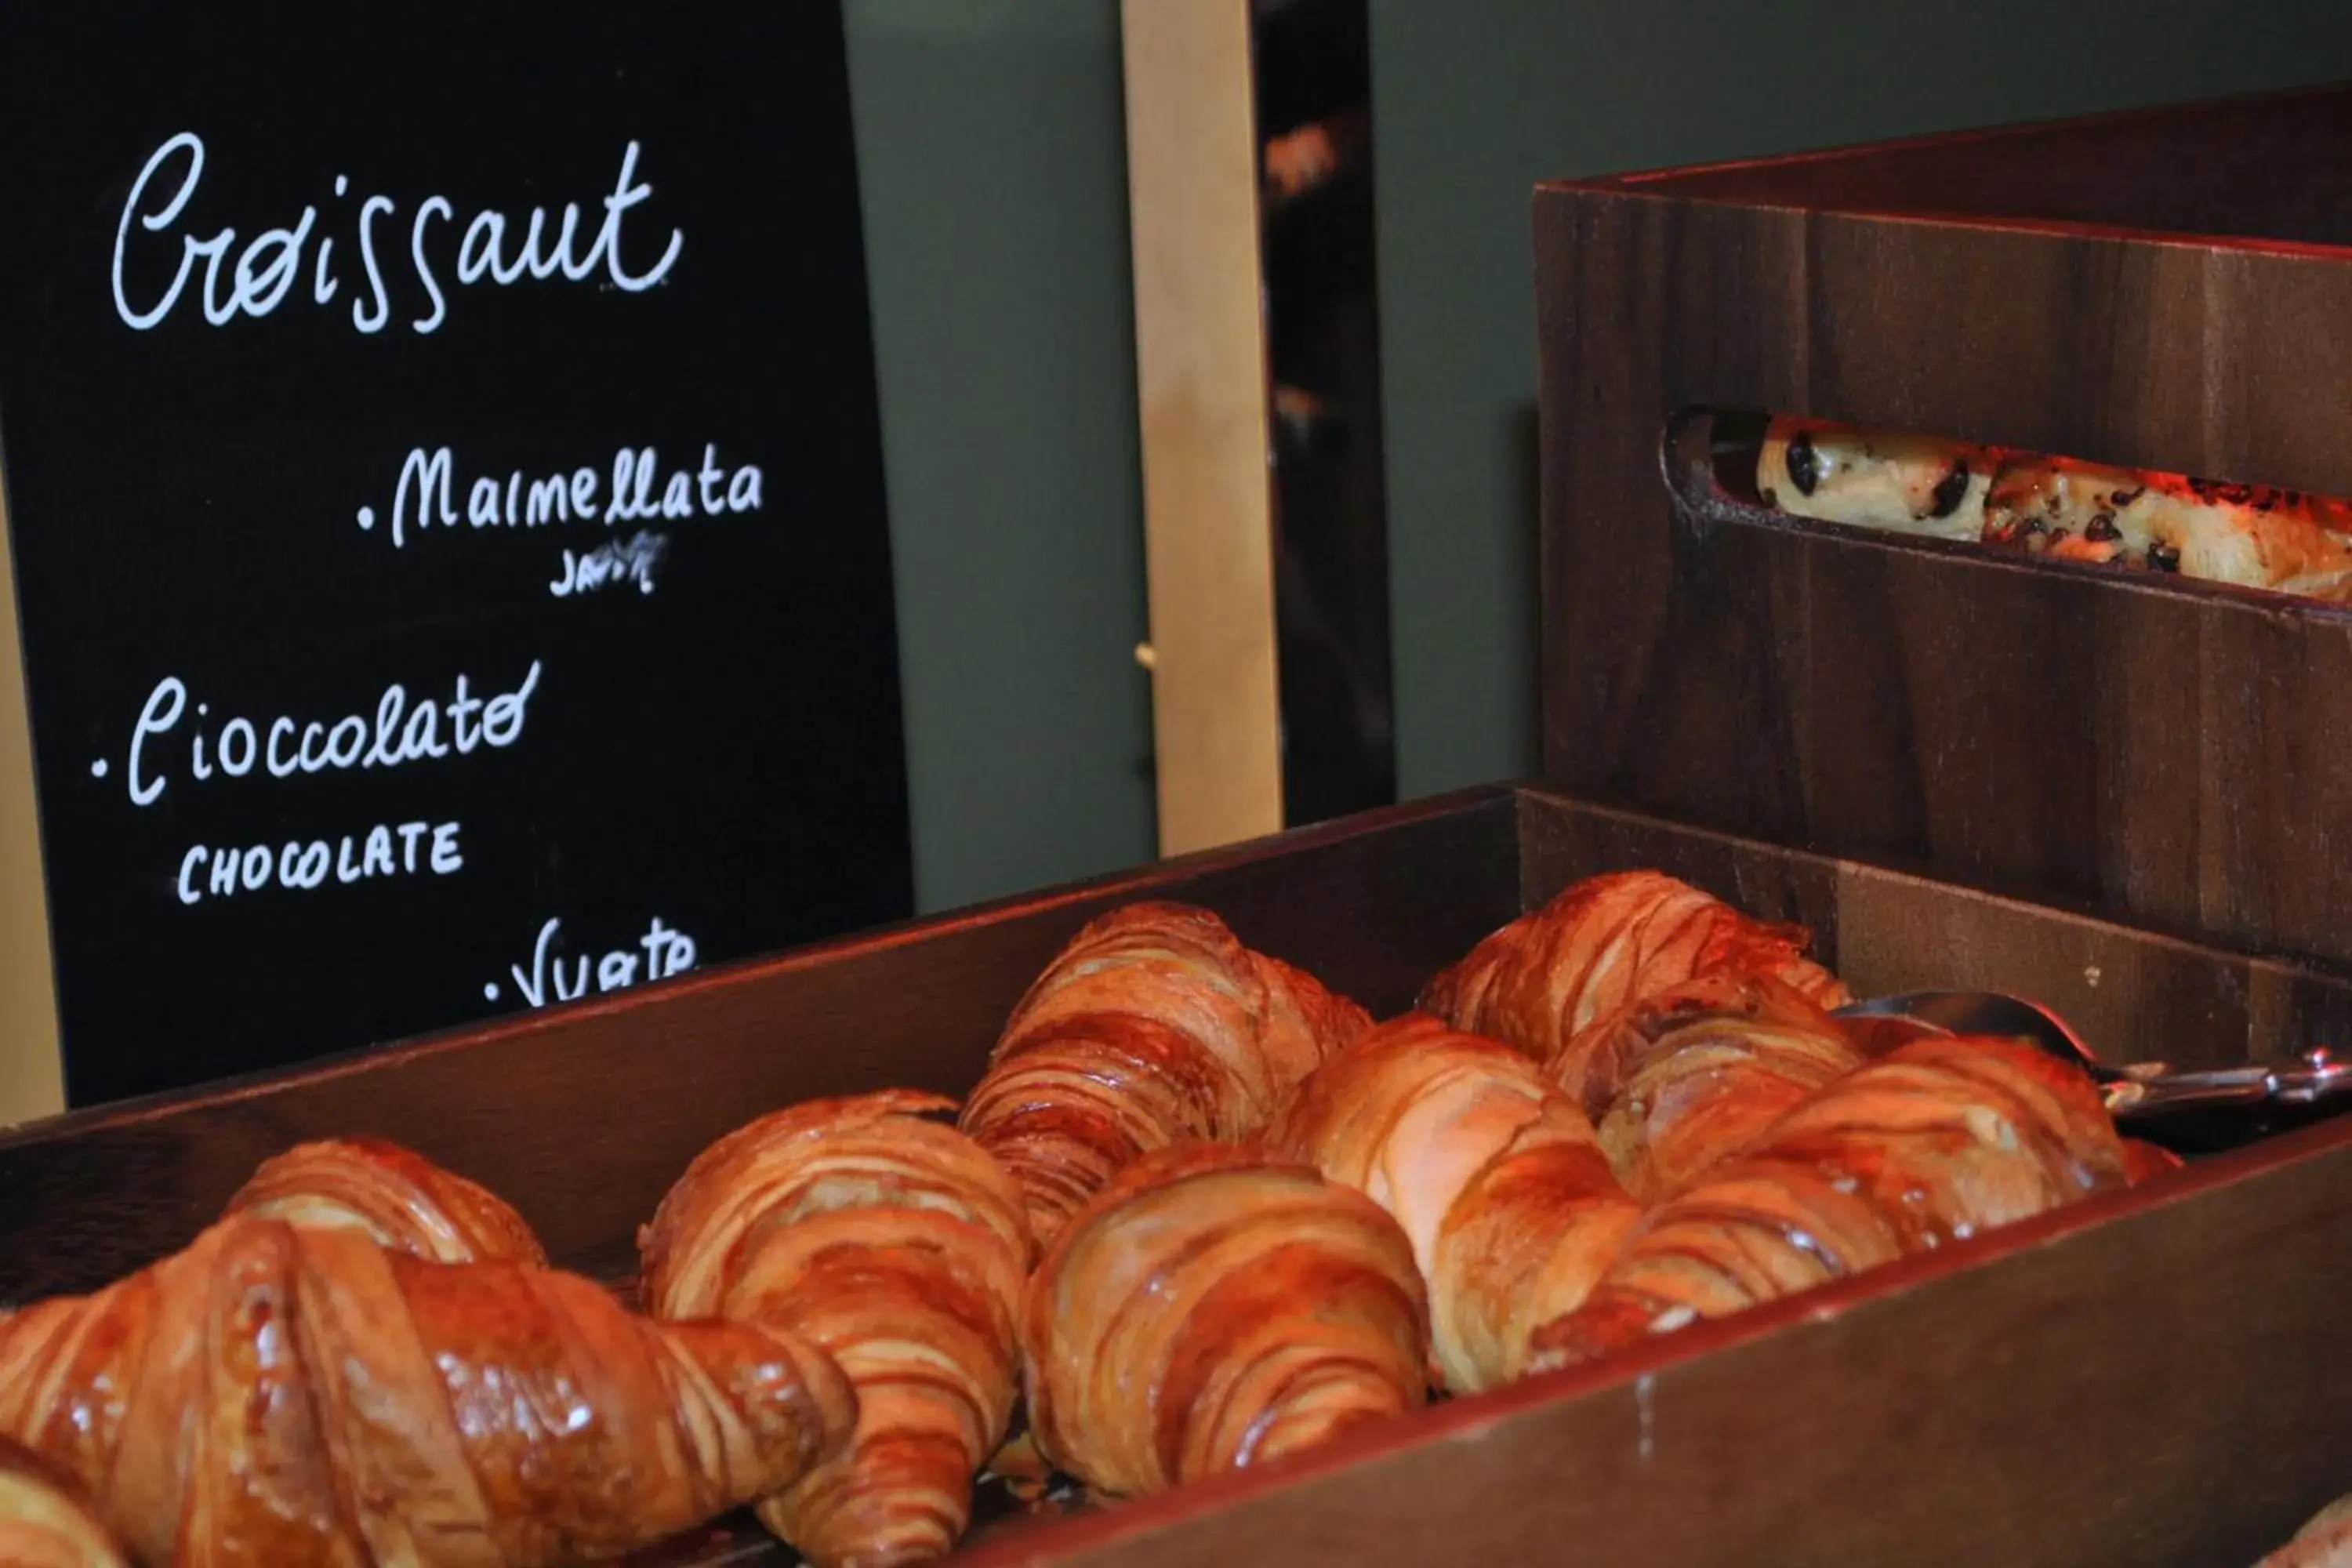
442	462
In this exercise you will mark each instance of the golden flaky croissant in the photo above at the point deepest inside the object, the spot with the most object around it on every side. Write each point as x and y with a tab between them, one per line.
897	1245
1682	1079
1944	1137
1155	1024
1495	1175
2323	1542
1607	941
391	1194
1214	1307
277	1395
45	1519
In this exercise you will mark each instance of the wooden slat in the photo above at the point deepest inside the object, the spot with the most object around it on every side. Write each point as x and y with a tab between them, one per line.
1200	367
32	1074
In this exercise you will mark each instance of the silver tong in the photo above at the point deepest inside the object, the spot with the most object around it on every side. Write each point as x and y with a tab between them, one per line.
2134	1092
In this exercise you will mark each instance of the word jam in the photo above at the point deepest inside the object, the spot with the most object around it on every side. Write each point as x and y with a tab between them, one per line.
152	275
425	494
288	746
665	953
630	562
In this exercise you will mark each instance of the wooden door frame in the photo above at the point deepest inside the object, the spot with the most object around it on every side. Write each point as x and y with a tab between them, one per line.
32	1068
1202	388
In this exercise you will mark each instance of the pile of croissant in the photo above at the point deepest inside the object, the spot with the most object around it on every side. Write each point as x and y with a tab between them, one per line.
1199	1213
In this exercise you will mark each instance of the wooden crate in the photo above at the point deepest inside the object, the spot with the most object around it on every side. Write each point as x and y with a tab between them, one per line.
2106	1384
2167	289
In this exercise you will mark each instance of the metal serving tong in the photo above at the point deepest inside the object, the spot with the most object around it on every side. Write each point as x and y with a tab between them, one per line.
2135	1092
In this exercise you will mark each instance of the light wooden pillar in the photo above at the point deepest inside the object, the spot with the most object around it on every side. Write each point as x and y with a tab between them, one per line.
32	1074
1201	363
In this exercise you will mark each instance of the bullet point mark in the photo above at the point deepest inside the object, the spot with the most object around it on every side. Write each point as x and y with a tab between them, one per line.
367	516
490	992
98	769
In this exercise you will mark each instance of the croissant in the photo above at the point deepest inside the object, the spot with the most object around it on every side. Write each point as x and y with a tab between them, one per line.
1212	1307
1683	1079
398	1198
897	1245
1495	1175
1604	943
1944	1137
2323	1542
1155	1024
45	1520
276	1395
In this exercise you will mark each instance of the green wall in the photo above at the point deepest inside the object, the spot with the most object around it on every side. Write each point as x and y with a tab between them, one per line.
1474	100
993	162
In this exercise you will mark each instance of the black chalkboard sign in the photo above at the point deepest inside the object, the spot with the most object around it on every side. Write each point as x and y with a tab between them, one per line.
441	457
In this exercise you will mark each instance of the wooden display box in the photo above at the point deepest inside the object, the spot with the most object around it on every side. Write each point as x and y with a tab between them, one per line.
2141	1378
2168	290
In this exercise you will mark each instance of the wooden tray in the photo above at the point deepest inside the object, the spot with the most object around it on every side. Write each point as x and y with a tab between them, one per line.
2168	290
2023	1409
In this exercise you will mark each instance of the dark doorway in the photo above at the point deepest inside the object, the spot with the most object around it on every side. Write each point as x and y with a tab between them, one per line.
1314	116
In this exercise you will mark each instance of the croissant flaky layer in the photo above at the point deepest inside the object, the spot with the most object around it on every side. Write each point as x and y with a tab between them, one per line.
280	1394
45	1520
1678	1081
1607	941
1214	1307
1154	1025
391	1194
1496	1176
898	1246
1940	1138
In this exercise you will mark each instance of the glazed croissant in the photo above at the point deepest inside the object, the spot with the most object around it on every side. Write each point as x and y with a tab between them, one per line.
276	1395
1155	1024
897	1245
2323	1542
1944	1137
46	1521
1607	941
1495	1175
1683	1079
1212	1308
396	1197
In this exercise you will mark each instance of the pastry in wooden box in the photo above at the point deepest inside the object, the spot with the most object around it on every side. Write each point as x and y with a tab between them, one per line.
1214	1307
394	1195
1941	1139
1496	1176
1604	944
2255	536
285	1393
1154	1025
1679	1081
899	1246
